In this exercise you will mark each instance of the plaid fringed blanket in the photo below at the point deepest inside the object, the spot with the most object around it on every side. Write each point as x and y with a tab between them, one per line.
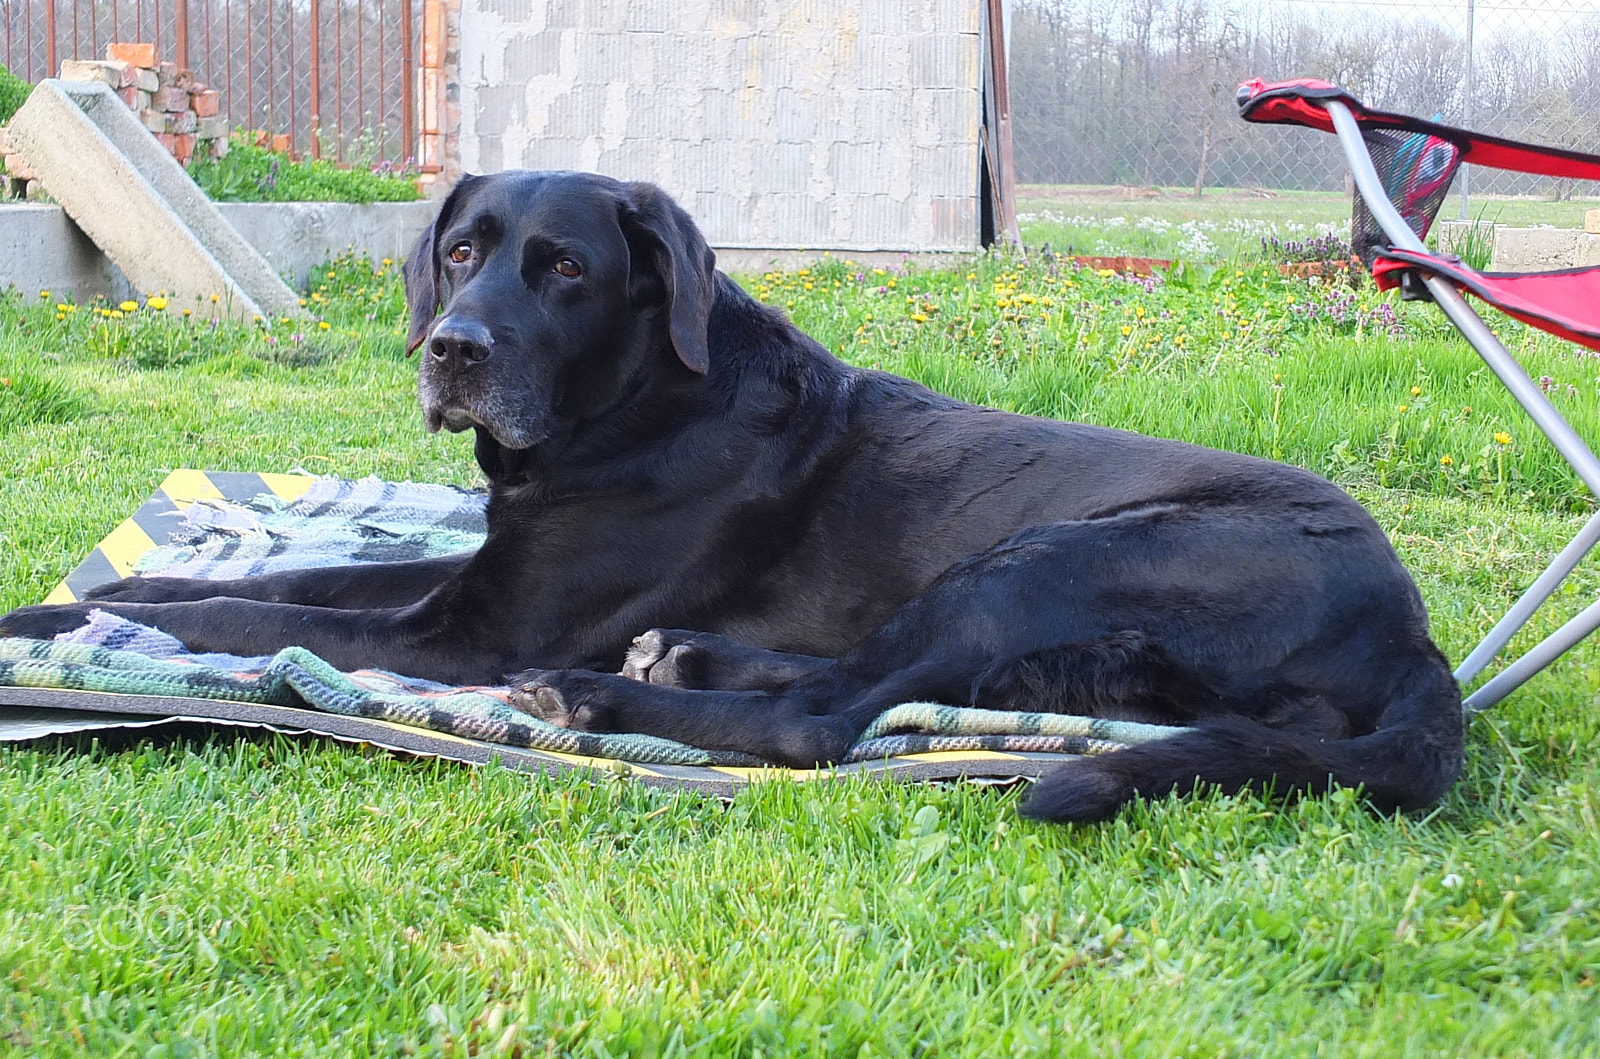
332	522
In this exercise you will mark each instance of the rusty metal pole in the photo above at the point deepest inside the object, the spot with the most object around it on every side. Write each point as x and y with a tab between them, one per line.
316	78
180	18
408	89
50	67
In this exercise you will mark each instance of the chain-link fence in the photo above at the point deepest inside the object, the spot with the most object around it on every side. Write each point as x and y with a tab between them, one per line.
1141	92
333	75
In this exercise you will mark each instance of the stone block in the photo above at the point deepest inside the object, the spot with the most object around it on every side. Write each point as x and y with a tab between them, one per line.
533	55
213	128
133	54
171	99
157	121
280	143
1542	249
183	147
1591	222
182	123
106	72
136	98
141	209
18	169
206	103
166	73
145	80
501	107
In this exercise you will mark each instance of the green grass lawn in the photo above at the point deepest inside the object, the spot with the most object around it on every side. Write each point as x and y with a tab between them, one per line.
1228	223
259	895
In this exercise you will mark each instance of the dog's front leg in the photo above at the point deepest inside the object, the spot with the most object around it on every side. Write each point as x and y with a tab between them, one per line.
356	586
775	727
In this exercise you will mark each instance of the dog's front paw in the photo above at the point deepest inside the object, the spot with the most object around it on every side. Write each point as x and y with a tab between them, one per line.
667	657
44	621
566	698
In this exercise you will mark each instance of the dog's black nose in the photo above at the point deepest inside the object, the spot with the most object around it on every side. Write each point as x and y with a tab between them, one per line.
465	340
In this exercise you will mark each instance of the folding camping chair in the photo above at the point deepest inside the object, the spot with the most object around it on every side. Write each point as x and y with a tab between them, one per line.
1402	168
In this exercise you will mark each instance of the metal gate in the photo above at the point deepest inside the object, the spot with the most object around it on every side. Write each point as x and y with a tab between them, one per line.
338	77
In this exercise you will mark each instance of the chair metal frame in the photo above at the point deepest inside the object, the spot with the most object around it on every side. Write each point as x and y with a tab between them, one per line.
1549	421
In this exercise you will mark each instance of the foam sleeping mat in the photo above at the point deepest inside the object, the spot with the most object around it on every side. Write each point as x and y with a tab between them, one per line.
115	674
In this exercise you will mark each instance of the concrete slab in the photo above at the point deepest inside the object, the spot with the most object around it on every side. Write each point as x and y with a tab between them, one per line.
138	205
42	249
1543	249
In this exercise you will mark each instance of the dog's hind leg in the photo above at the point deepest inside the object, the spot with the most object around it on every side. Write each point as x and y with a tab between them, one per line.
1125	676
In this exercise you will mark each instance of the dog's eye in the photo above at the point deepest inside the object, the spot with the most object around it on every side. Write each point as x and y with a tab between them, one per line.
461	253
568	268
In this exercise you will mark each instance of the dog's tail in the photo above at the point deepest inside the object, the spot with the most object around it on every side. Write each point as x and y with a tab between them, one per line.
1407	762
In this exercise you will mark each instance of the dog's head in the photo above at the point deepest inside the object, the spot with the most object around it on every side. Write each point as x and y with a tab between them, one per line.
535	297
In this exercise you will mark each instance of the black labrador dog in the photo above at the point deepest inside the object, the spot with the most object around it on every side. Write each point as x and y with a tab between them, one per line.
774	547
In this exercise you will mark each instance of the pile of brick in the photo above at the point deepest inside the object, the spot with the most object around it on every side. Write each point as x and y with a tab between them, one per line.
183	113
18	179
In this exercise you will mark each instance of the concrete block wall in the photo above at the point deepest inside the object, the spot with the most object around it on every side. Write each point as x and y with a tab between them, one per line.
776	123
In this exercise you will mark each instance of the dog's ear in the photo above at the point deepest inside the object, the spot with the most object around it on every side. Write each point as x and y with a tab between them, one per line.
669	253
421	271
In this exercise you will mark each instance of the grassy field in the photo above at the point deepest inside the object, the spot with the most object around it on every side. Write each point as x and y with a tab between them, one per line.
261	896
1228	223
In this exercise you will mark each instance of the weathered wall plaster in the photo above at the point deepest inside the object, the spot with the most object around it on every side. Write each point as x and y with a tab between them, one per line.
776	123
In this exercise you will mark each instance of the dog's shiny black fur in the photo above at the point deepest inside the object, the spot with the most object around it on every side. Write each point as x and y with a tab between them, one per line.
666	454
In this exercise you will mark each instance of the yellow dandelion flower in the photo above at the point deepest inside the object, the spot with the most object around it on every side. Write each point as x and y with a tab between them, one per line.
129	307
302	303
186	312
1402	409
1105	273
323	325
115	314
157	303
1446	461
60	317
919	318
1126	330
1502	438
214	300
60	307
1416	391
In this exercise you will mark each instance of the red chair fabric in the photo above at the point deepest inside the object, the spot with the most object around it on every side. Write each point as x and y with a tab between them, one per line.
1416	171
